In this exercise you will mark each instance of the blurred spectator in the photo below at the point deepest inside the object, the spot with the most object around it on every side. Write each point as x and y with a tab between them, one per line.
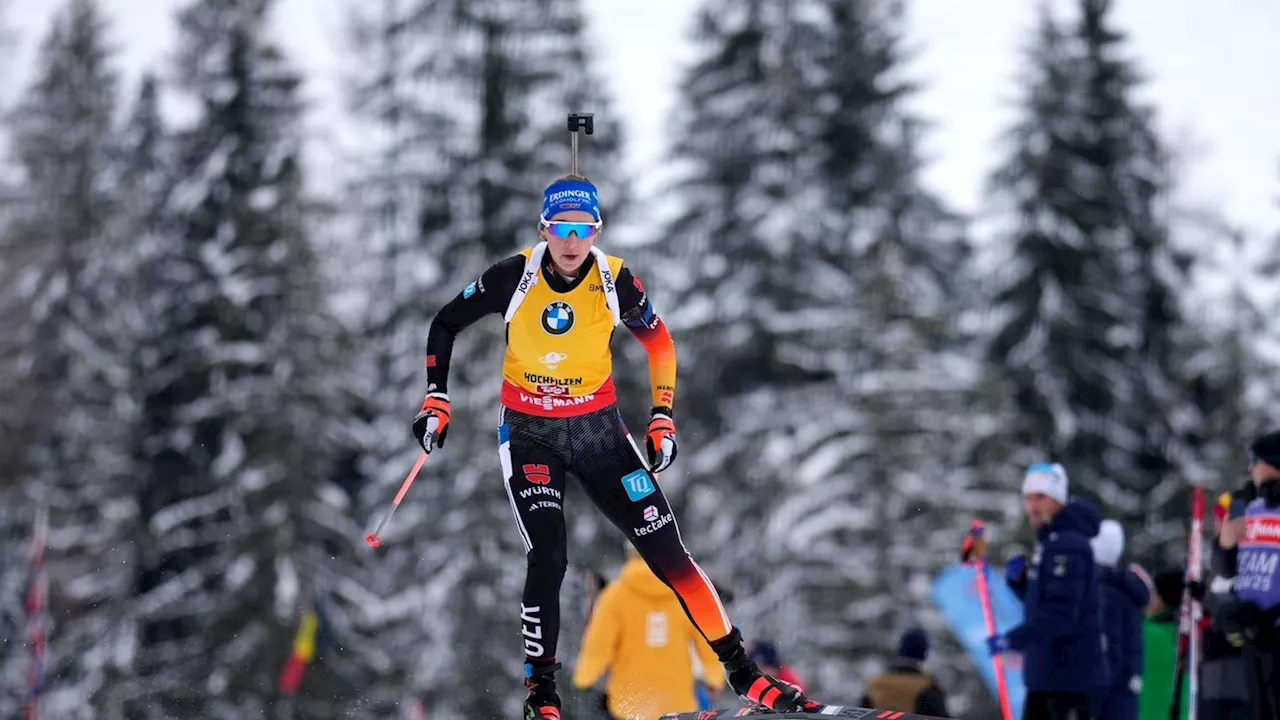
1160	648
1124	598
1250	621
1224	675
1064	665
641	637
906	687
766	656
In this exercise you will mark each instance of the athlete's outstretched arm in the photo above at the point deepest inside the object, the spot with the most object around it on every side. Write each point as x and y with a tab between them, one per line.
638	315
491	293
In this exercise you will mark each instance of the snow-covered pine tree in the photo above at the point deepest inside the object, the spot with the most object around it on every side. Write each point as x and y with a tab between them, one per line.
819	297
728	263
1226	303
8	39
14	508
1089	319
1263	397
65	353
468	102
243	519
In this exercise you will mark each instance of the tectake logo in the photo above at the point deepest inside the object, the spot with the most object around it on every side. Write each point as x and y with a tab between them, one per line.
553	359
651	513
655	525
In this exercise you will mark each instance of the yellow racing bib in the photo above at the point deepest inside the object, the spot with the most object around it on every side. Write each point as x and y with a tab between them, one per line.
558	362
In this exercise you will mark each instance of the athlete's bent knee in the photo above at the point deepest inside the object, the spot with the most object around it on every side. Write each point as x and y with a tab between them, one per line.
548	561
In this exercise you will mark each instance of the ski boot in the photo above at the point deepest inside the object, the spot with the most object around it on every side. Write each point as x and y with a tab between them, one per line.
543	703
764	692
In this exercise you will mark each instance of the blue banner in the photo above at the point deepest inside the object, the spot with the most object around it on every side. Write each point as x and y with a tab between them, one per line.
955	593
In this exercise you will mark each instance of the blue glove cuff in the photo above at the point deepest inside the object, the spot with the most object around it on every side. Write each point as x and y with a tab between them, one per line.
997	644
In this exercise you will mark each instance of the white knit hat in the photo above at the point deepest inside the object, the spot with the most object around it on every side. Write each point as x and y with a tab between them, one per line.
1108	544
1047	478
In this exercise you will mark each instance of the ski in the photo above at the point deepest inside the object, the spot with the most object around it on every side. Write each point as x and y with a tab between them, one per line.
827	711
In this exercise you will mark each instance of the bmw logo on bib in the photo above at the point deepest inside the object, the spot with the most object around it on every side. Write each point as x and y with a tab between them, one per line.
557	318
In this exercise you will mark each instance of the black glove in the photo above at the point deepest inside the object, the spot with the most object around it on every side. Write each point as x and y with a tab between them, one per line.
660	440
1239	622
1247	492
432	422
1196	588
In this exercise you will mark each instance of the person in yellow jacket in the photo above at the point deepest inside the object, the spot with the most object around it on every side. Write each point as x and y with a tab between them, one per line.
640	635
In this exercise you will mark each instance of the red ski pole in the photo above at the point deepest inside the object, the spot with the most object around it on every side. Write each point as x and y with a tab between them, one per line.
1194	565
375	538
1187	667
975	548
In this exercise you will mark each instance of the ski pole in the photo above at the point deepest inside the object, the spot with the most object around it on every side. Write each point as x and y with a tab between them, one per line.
1187	665
375	538
1193	575
1180	664
975	547
587	123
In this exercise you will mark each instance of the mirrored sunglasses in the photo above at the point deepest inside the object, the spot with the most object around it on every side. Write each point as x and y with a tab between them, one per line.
563	229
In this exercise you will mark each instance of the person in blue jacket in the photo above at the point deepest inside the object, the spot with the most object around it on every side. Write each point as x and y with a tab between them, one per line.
1124	598
1064	663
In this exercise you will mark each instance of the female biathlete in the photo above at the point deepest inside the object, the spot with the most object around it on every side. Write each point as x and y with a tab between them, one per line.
561	301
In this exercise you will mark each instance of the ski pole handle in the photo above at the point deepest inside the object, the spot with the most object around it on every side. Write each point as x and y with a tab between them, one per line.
975	544
374	539
578	121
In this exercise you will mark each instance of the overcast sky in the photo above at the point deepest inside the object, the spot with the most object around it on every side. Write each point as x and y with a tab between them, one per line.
1212	75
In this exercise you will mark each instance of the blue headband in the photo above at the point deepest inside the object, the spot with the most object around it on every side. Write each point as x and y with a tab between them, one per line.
564	195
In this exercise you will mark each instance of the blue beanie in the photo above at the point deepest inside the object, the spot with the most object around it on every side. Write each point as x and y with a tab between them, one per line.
570	194
914	645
